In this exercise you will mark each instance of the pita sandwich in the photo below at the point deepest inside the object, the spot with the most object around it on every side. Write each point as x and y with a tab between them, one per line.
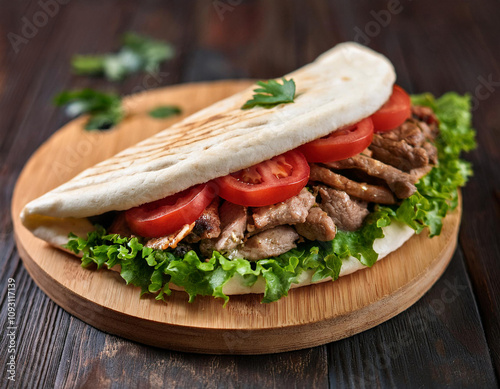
341	87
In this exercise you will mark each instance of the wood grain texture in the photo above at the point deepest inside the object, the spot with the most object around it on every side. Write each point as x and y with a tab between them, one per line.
435	46
309	316
387	355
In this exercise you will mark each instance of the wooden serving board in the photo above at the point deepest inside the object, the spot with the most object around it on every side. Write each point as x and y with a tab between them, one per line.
309	316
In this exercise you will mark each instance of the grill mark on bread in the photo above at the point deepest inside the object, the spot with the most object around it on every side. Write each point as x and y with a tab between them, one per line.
144	157
145	160
192	129
181	140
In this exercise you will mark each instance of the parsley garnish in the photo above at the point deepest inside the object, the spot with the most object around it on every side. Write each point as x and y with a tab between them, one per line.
138	53
165	111
105	110
272	93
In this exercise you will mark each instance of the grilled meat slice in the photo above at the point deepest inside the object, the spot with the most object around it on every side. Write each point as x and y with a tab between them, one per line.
170	241
402	184
207	246
430	131
233	220
367	152
398	153
347	214
363	191
267	244
406	147
207	226
409	131
420	172
318	226
432	152
426	115
291	211
182	249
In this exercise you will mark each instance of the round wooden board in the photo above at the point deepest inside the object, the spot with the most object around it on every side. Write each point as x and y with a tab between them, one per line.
309	316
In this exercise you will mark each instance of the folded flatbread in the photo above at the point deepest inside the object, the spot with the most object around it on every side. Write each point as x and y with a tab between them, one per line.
344	85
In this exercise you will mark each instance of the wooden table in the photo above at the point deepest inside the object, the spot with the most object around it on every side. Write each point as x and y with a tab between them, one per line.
450	338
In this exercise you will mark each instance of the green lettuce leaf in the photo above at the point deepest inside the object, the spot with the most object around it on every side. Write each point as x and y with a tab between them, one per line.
154	270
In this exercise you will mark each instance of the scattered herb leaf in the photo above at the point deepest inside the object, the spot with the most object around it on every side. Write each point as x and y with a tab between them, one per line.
105	109
272	93
165	111
138	53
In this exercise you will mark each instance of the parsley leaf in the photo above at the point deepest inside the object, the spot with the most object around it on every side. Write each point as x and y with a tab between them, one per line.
165	111
138	53
272	93
105	110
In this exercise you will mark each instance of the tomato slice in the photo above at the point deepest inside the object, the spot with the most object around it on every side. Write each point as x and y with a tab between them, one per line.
340	144
394	112
168	215
268	182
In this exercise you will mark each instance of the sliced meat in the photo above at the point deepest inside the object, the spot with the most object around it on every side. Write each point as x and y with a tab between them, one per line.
207	246
398	153
182	249
207	226
420	172
367	152
426	115
363	191
233	220
267	244
432	152
430	131
406	147
292	211
399	182
170	241
318	226
348	214
409	131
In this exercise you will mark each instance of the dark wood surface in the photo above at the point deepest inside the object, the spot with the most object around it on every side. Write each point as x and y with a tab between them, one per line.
450	338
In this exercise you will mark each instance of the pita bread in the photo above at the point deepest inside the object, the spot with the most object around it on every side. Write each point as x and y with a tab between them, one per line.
342	86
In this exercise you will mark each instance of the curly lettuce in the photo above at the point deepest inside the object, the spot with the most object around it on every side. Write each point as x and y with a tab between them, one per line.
154	270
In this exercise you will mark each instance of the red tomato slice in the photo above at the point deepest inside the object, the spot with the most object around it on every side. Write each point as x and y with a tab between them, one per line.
340	144
168	215
268	182
394	112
